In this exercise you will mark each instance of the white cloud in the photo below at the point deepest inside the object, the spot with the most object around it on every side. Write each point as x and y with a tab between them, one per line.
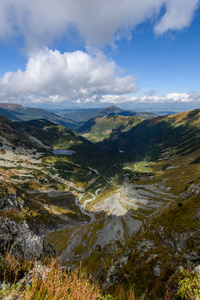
169	98
52	76
41	21
79	76
179	14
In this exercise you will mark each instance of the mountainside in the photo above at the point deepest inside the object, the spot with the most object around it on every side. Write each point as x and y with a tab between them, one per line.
17	112
167	147
27	161
83	115
98	129
8	114
162	259
150	137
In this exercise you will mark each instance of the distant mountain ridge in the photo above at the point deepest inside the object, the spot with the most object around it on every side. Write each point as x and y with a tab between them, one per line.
18	112
83	115
12	106
69	118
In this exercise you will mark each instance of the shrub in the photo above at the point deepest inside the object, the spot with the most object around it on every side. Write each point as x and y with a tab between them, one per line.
189	286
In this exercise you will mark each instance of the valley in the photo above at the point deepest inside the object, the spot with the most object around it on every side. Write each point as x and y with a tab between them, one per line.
95	200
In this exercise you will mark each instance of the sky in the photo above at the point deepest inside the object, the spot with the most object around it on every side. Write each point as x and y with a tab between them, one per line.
90	53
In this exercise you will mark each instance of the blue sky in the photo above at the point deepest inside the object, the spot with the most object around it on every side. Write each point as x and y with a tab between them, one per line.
89	53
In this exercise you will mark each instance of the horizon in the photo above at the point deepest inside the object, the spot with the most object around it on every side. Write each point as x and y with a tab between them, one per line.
164	109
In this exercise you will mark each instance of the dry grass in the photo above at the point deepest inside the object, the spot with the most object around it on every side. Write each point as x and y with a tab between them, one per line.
44	282
28	280
52	283
14	214
128	295
12	269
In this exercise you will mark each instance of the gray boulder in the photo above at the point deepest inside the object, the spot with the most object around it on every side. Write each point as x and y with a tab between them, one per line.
9	201
22	241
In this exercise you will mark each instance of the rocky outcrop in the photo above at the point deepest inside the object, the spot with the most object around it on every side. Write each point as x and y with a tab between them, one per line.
112	276
9	201
144	245
194	189
22	241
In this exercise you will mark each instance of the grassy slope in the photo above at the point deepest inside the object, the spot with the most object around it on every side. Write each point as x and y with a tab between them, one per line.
73	169
98	129
168	147
31	167
173	233
60	137
150	137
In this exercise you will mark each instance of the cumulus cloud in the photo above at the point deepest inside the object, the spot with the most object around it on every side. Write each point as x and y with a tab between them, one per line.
80	76
52	76
97	21
152	99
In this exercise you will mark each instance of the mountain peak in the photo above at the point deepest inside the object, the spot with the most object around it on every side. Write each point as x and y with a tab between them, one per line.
11	106
113	107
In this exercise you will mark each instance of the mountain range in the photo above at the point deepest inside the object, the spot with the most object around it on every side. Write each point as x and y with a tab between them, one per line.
17	112
83	115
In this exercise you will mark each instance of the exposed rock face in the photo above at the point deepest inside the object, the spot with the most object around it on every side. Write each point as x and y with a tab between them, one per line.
22	241
157	269
9	201
112	276
194	189
145	245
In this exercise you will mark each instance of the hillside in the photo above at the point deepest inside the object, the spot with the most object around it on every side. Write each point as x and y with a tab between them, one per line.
28	163
8	114
166	147
162	259
17	112
101	128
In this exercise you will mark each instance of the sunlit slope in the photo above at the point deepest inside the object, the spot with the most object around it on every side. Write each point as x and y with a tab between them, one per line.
59	137
98	129
149	138
30	145
46	180
168	147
